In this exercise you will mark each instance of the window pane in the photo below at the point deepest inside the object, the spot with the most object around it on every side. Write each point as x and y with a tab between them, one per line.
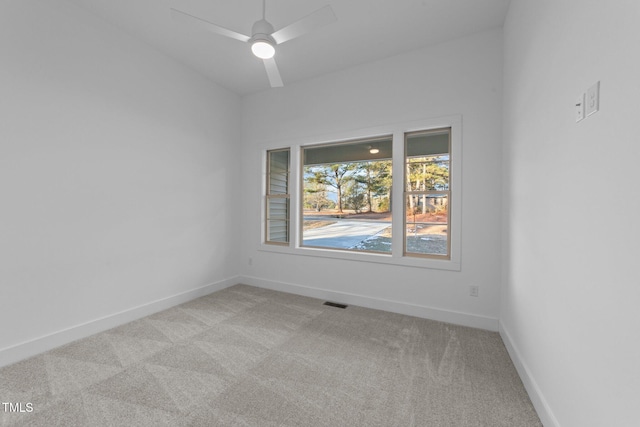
427	187
278	231
427	224
347	196
277	209
278	219
346	233
279	172
428	143
428	173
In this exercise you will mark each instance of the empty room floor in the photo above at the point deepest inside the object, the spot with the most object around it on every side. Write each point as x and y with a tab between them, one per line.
246	356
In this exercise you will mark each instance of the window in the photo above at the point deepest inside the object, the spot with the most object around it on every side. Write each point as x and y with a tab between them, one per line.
427	193
347	195
277	209
347	205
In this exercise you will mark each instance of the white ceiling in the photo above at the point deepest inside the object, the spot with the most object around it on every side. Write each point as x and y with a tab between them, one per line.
366	30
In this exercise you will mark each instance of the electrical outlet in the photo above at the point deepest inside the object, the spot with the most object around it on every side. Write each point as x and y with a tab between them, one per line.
473	290
250	261
593	99
580	108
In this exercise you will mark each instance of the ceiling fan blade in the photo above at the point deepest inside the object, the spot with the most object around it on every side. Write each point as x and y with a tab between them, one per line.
317	19
188	19
272	72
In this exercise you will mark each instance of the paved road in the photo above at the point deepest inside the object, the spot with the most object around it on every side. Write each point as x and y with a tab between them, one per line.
344	234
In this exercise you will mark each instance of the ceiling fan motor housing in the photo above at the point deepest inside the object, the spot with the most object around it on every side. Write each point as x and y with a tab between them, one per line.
261	31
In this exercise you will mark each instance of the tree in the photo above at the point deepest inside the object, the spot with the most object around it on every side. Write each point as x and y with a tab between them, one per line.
375	177
426	174
335	176
315	196
355	195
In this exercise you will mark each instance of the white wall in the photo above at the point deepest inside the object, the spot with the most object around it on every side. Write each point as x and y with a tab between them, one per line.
571	282
116	166
461	77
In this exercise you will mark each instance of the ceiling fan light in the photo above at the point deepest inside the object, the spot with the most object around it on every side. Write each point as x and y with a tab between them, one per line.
263	49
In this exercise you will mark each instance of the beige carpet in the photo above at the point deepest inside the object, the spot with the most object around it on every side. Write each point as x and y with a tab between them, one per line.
251	357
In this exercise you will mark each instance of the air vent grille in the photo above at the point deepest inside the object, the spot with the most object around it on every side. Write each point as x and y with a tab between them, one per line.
335	304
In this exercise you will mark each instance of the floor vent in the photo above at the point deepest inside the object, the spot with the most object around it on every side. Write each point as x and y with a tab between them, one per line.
335	304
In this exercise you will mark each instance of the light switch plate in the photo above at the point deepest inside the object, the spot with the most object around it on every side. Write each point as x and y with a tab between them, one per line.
593	99
580	108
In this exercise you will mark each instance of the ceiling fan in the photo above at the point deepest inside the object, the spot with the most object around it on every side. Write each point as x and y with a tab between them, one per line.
263	38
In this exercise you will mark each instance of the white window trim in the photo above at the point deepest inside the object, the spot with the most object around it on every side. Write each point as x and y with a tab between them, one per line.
397	257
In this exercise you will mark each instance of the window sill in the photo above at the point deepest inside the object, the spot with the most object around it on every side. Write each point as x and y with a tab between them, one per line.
403	261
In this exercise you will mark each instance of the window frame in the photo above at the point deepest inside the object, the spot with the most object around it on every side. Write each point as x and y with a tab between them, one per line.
397	257
269	196
300	237
407	193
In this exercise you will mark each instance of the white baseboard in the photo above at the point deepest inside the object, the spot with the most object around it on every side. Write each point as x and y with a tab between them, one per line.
535	394
36	346
458	318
